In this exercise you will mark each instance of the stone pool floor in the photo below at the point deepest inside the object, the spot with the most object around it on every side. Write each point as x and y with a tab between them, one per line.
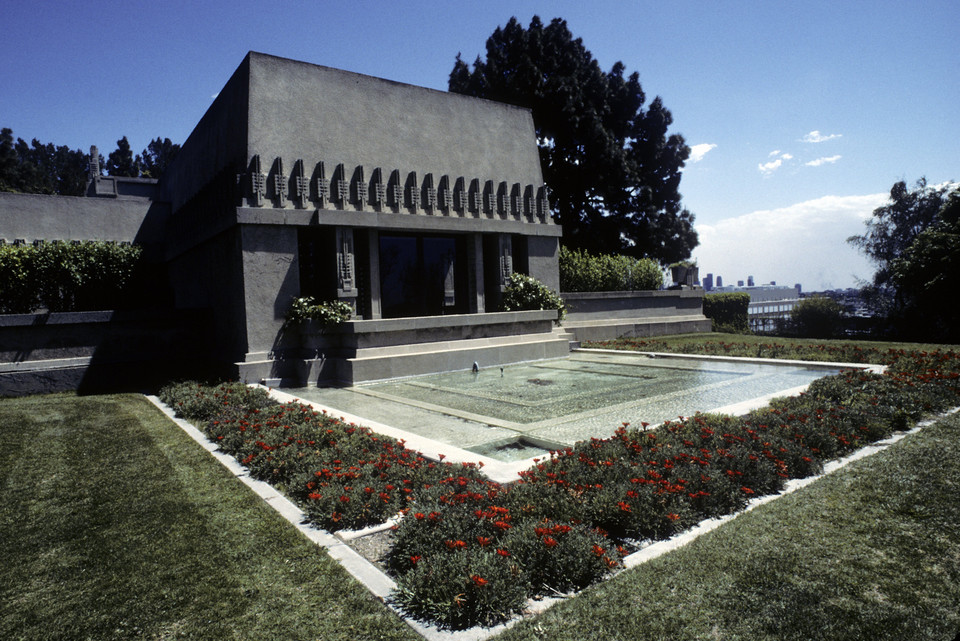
525	410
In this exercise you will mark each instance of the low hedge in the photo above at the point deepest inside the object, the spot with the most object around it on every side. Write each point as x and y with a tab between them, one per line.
582	272
62	277
728	312
470	551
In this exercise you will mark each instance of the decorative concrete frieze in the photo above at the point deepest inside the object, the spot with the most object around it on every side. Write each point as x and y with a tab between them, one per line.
341	188
346	266
444	196
505	247
279	182
413	192
431	193
400	193
460	199
360	187
320	181
543	204
476	197
258	181
301	185
503	204
489	199
395	189
529	204
379	193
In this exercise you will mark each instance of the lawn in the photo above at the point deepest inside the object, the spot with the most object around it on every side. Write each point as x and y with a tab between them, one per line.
115	525
871	552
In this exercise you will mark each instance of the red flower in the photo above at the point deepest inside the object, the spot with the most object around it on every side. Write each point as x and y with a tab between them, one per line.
419	516
344	499
414	559
314	496
502	552
478	580
453	545
598	550
673	517
483	540
549	541
746	490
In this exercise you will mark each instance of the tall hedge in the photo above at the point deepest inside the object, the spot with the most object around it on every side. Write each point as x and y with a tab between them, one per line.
61	277
728	312
582	272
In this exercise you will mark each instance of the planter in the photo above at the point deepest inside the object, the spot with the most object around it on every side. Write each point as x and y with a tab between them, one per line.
685	275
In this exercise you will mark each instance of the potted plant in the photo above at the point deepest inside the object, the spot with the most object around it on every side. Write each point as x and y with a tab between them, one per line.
685	272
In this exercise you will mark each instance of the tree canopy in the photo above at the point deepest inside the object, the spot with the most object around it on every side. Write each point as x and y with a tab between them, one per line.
915	243
39	168
613	169
42	168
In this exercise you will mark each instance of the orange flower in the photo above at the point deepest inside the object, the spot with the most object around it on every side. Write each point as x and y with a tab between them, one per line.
549	541
478	580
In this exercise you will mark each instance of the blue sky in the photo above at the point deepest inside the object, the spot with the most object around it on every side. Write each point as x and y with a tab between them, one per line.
802	115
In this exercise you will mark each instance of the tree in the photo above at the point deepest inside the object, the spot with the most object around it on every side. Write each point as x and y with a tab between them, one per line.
121	162
911	240
39	168
155	158
8	160
613	170
927	274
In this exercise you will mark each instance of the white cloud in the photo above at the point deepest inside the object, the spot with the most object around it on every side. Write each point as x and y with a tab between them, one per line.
816	136
802	243
823	161
697	152
768	168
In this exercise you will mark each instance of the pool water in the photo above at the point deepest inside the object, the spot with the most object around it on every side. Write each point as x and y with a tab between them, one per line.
520	411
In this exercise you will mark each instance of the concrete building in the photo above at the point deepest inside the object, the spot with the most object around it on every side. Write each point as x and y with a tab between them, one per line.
412	205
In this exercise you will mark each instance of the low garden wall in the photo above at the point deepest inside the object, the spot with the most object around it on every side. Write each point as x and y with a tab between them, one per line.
607	315
363	350
97	350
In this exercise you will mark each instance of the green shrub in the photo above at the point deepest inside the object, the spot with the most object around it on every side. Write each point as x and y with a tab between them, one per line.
728	312
63	277
327	313
527	293
582	272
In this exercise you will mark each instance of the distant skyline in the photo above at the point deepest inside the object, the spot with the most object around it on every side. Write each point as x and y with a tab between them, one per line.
800	116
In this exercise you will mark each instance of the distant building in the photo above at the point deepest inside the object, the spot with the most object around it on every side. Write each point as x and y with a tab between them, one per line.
749	281
708	282
768	304
719	282
739	283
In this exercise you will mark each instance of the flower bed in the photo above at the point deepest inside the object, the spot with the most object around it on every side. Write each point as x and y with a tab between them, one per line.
470	551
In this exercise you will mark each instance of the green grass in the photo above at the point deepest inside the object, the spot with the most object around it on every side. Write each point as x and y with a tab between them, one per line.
115	525
751	345
871	552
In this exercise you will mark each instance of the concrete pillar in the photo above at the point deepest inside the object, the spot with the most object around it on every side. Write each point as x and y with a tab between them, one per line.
475	286
373	286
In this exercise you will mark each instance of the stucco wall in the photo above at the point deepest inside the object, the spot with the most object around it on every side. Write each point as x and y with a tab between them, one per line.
39	217
302	110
